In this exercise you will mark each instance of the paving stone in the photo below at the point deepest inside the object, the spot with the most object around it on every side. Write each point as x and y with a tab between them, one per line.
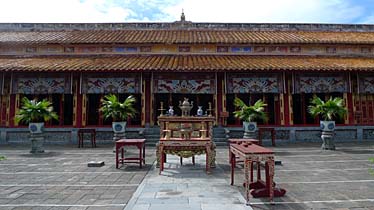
301	162
77	208
59	208
224	206
141	207
106	208
174	206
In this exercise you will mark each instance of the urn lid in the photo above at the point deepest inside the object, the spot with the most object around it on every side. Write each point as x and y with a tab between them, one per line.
185	102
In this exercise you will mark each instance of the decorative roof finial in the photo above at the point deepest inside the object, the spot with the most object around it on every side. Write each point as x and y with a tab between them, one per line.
183	18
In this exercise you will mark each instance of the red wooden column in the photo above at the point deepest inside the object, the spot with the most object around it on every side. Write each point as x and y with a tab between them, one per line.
349	104
5	101
287	97
286	105
12	109
78	101
147	83
220	98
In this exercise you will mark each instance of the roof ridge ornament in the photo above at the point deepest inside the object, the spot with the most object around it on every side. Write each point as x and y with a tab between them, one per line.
183	17
182	23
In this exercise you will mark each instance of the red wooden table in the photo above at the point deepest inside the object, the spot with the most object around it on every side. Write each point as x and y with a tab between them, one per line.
235	141
261	130
139	143
193	144
81	133
252	153
239	141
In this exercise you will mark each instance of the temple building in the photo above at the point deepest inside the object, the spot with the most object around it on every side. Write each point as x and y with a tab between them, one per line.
75	65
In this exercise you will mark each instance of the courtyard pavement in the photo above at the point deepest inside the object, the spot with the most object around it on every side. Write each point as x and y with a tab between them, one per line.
60	179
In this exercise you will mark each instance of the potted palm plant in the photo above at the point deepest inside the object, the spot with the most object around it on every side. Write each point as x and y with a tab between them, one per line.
35	113
112	107
249	114
329	111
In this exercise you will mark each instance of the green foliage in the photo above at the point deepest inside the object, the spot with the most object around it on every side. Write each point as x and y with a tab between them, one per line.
112	107
2	158
250	113
35	111
371	170
329	110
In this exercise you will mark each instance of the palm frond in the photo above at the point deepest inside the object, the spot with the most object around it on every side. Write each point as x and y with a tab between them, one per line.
329	110
251	112
35	111
111	107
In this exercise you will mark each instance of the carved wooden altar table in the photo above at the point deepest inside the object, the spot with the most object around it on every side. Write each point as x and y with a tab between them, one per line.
178	147
186	137
252	153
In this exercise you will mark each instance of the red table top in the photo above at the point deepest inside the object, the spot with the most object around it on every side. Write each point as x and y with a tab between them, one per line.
243	140
252	149
131	140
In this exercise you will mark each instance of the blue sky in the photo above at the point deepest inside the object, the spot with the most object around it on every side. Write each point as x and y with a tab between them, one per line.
242	11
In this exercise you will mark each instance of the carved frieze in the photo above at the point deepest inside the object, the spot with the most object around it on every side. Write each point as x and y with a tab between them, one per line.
97	84
254	83
321	83
46	84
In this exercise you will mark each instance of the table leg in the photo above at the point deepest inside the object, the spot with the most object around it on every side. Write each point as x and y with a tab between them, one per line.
193	160
270	184
252	172
140	155
79	140
232	161
122	154
94	138
144	153
162	156
247	165
116	156
208	152
230	155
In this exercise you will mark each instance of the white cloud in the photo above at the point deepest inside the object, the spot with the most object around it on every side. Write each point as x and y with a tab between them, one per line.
60	11
325	11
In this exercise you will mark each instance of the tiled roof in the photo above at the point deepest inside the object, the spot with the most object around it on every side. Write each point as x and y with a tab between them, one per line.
183	63
185	37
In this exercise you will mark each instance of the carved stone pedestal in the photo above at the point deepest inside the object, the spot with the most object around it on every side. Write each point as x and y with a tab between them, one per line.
250	130
37	142
250	135
328	142
118	136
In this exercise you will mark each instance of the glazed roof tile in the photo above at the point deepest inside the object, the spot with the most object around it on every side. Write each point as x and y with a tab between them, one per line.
185	37
184	63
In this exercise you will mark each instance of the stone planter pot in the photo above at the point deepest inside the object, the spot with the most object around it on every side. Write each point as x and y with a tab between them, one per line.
36	128
119	127
250	129
36	137
327	125
327	136
37	143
